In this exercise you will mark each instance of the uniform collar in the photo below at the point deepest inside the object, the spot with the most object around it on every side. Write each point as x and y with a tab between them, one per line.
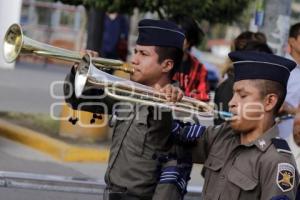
265	140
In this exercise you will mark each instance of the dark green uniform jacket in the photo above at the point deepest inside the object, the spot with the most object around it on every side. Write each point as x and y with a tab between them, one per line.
139	138
264	169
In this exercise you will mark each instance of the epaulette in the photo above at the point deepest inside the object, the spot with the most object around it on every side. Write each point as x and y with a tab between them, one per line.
281	145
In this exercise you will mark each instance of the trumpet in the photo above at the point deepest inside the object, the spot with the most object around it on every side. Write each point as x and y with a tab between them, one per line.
16	43
89	73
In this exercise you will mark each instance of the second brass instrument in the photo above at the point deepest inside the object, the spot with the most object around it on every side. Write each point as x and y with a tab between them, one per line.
16	43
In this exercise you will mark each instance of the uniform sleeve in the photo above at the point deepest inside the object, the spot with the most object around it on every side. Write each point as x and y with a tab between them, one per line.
174	174
203	145
96	101
166	192
279	178
173	179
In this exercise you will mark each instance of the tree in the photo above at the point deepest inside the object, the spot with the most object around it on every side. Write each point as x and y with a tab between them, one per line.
210	10
214	11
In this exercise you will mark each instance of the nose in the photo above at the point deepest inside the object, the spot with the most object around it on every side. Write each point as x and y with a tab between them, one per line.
232	103
134	60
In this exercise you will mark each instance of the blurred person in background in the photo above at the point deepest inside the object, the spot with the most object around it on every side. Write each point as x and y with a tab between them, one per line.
288	125
294	140
192	74
213	71
115	36
295	143
296	130
245	41
292	99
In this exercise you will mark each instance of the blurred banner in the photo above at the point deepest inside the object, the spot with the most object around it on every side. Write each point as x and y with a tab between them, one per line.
10	12
276	24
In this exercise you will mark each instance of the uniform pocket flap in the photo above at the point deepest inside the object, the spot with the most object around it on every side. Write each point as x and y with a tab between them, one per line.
142	116
241	180
142	119
213	163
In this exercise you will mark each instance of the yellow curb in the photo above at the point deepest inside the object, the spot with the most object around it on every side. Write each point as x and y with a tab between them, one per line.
57	149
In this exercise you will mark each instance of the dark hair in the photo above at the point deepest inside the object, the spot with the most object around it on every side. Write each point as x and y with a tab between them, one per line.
294	30
258	46
245	37
267	87
172	53
193	33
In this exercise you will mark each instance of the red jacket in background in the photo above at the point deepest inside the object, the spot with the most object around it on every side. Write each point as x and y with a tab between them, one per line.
192	78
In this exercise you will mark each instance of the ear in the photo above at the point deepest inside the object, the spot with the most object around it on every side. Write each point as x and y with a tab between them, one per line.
291	41
167	65
270	102
186	44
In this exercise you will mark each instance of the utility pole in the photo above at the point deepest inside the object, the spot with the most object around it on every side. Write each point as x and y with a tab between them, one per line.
10	12
276	23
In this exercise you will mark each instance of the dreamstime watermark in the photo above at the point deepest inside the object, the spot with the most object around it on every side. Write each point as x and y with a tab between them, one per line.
96	101
251	111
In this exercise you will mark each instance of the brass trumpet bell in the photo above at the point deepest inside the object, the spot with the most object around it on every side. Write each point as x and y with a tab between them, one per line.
12	43
16	43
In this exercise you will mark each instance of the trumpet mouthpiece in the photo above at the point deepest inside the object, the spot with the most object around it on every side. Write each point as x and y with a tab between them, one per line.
127	68
225	114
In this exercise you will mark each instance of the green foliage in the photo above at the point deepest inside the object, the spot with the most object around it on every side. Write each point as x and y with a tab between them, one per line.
225	10
169	8
210	10
38	122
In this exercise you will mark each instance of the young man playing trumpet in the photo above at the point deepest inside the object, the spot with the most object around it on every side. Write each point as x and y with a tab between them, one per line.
142	143
244	158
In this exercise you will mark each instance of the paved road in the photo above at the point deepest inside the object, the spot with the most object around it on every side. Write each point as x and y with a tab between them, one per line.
27	88
19	158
